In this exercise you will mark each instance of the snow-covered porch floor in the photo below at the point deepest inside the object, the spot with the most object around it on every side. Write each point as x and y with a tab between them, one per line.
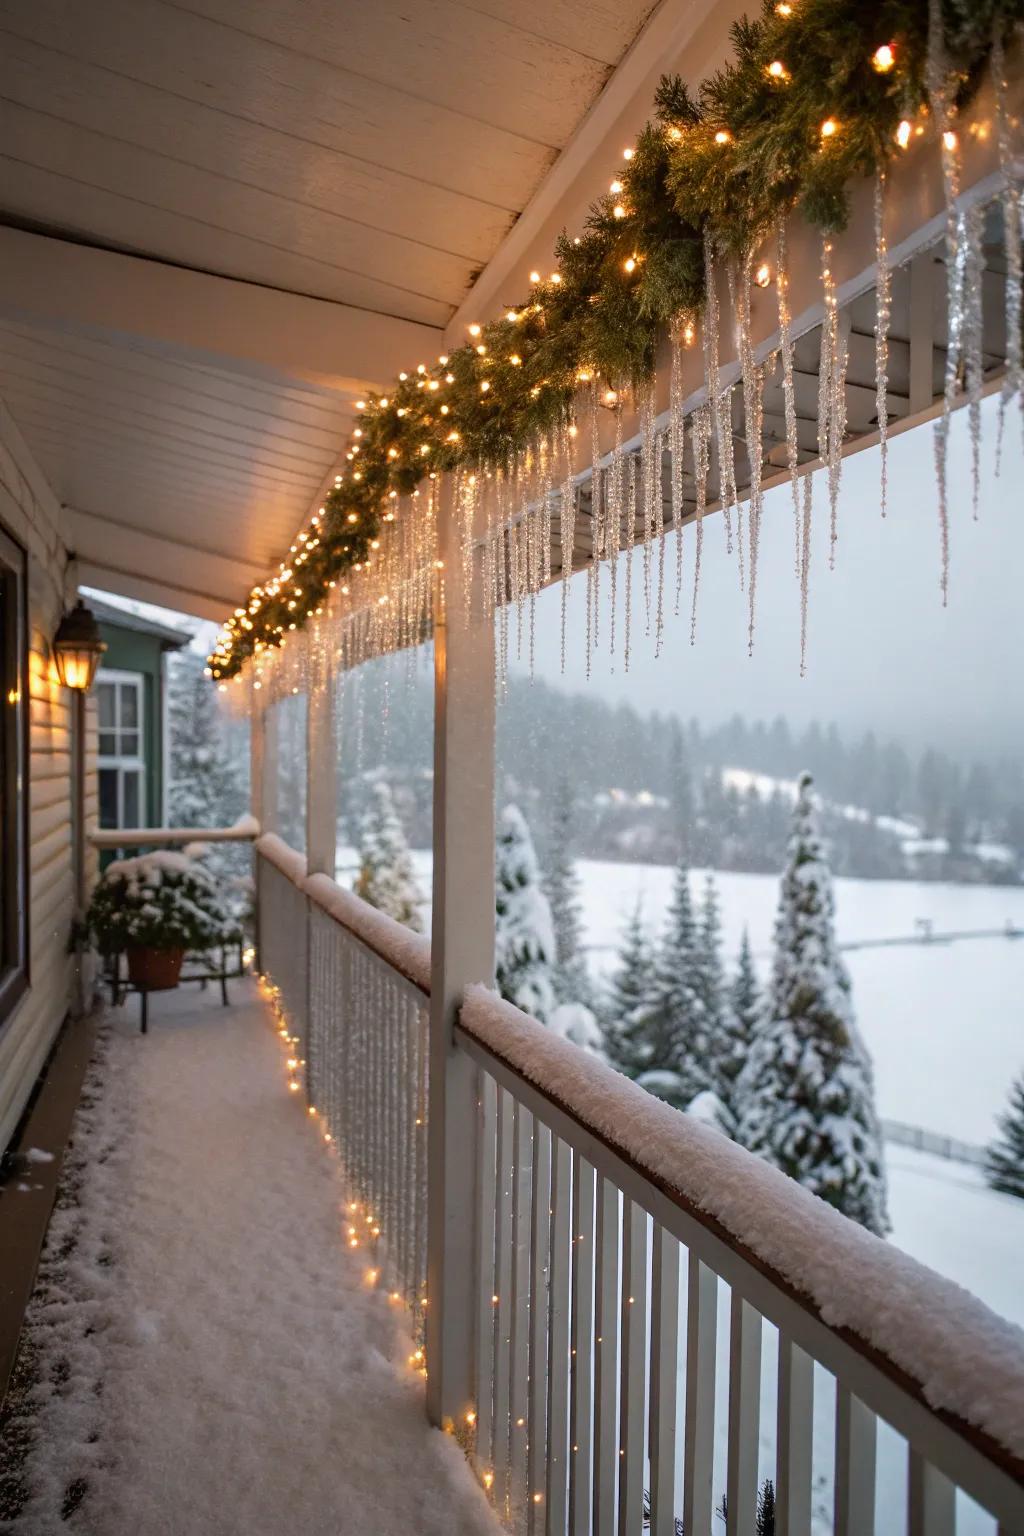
203	1353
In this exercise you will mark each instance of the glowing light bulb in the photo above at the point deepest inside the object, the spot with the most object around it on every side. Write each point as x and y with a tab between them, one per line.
474	330
534	277
949	140
903	134
615	188
783	8
630	264
723	136
829	128
627	154
883	58
618	212
763	275
777	70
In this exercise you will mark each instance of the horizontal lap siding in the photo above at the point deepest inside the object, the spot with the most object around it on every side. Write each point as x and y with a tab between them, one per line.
31	514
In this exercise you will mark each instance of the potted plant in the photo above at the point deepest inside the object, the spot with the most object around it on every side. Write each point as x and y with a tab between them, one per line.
154	908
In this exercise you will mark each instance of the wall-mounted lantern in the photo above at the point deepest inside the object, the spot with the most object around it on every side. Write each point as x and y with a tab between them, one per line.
77	648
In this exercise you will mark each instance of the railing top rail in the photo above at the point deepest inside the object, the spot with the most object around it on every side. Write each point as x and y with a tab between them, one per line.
404	951
245	831
947	1355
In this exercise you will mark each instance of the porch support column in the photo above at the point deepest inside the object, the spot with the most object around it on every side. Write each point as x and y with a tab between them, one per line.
321	770
462	953
263	767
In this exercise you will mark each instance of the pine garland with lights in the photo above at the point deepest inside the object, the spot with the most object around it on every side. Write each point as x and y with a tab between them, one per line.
817	94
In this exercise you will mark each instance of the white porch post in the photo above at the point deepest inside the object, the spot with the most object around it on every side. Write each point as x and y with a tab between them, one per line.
462	953
263	768
321	771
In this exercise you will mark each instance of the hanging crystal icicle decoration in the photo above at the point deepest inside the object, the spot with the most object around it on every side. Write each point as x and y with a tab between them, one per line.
831	394
1010	199
805	568
712	379
676	449
659	534
974	363
567	527
788	381
613	523
883	316
755	437
631	500
647	475
598	497
937	81
701	466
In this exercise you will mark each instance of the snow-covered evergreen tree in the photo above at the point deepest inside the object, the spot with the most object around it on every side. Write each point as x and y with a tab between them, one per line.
576	1022
570	977
625	1006
206	788
524	937
739	1023
674	1022
386	876
709	977
807	1087
1005	1165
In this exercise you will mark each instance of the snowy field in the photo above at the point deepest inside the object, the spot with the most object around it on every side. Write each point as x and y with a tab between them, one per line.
944	1022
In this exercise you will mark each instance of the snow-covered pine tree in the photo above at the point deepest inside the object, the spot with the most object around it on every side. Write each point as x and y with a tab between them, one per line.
627	1000
206	788
807	1087
570	977
1004	1168
709	977
674	1022
386	876
739	1023
524	939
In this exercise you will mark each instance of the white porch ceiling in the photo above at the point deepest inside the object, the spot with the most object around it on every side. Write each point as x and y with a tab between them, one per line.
228	217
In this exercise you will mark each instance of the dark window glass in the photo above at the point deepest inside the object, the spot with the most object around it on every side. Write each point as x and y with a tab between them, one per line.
108	797
13	776
131	798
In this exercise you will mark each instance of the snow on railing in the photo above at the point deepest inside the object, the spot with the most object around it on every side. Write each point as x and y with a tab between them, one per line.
245	830
618	1248
563	1132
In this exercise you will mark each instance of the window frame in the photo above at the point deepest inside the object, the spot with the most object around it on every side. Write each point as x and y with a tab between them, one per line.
14	778
123	763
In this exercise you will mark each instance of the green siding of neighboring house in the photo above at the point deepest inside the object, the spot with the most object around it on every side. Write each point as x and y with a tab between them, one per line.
130	651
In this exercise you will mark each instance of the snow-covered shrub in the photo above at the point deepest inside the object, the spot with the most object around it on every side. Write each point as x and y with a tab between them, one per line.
160	900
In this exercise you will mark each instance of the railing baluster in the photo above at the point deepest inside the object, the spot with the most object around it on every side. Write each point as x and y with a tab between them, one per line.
580	1413
606	1361
856	1440
931	1500
558	1339
632	1399
519	1347
795	1426
540	1244
486	1205
699	1454
664	1381
502	1308
744	1415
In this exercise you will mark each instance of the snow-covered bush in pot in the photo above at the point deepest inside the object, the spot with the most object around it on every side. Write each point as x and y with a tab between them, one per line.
162	901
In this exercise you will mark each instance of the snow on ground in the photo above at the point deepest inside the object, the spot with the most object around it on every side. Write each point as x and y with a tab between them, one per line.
251	1382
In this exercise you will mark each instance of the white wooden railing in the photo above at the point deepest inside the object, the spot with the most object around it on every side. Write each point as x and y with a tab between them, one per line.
660	1322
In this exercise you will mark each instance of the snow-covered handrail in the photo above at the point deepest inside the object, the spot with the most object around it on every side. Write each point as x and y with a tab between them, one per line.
929	1336
245	830
283	857
407	952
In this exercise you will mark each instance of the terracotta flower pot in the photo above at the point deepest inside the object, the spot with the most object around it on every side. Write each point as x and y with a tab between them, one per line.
155	970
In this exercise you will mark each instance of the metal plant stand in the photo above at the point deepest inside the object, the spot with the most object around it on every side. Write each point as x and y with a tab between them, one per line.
204	969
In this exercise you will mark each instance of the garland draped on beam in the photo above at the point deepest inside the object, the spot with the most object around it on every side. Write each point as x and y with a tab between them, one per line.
819	92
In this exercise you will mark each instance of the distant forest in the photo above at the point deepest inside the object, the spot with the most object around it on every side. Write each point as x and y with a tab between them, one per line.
652	788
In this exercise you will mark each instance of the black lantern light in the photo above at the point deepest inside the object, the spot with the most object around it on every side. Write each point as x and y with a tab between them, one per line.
77	648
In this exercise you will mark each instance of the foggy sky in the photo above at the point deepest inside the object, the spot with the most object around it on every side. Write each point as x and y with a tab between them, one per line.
882	651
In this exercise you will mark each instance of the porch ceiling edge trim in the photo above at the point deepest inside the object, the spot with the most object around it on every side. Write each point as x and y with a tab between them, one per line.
240	326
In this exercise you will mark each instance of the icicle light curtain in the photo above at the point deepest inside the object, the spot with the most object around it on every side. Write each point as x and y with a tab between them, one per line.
818	93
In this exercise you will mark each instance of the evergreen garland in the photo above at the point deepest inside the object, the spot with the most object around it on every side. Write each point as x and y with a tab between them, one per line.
724	161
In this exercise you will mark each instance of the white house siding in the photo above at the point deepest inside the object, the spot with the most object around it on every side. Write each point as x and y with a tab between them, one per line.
32	515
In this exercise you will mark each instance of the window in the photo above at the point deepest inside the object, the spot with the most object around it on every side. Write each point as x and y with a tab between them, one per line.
122	763
13	776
